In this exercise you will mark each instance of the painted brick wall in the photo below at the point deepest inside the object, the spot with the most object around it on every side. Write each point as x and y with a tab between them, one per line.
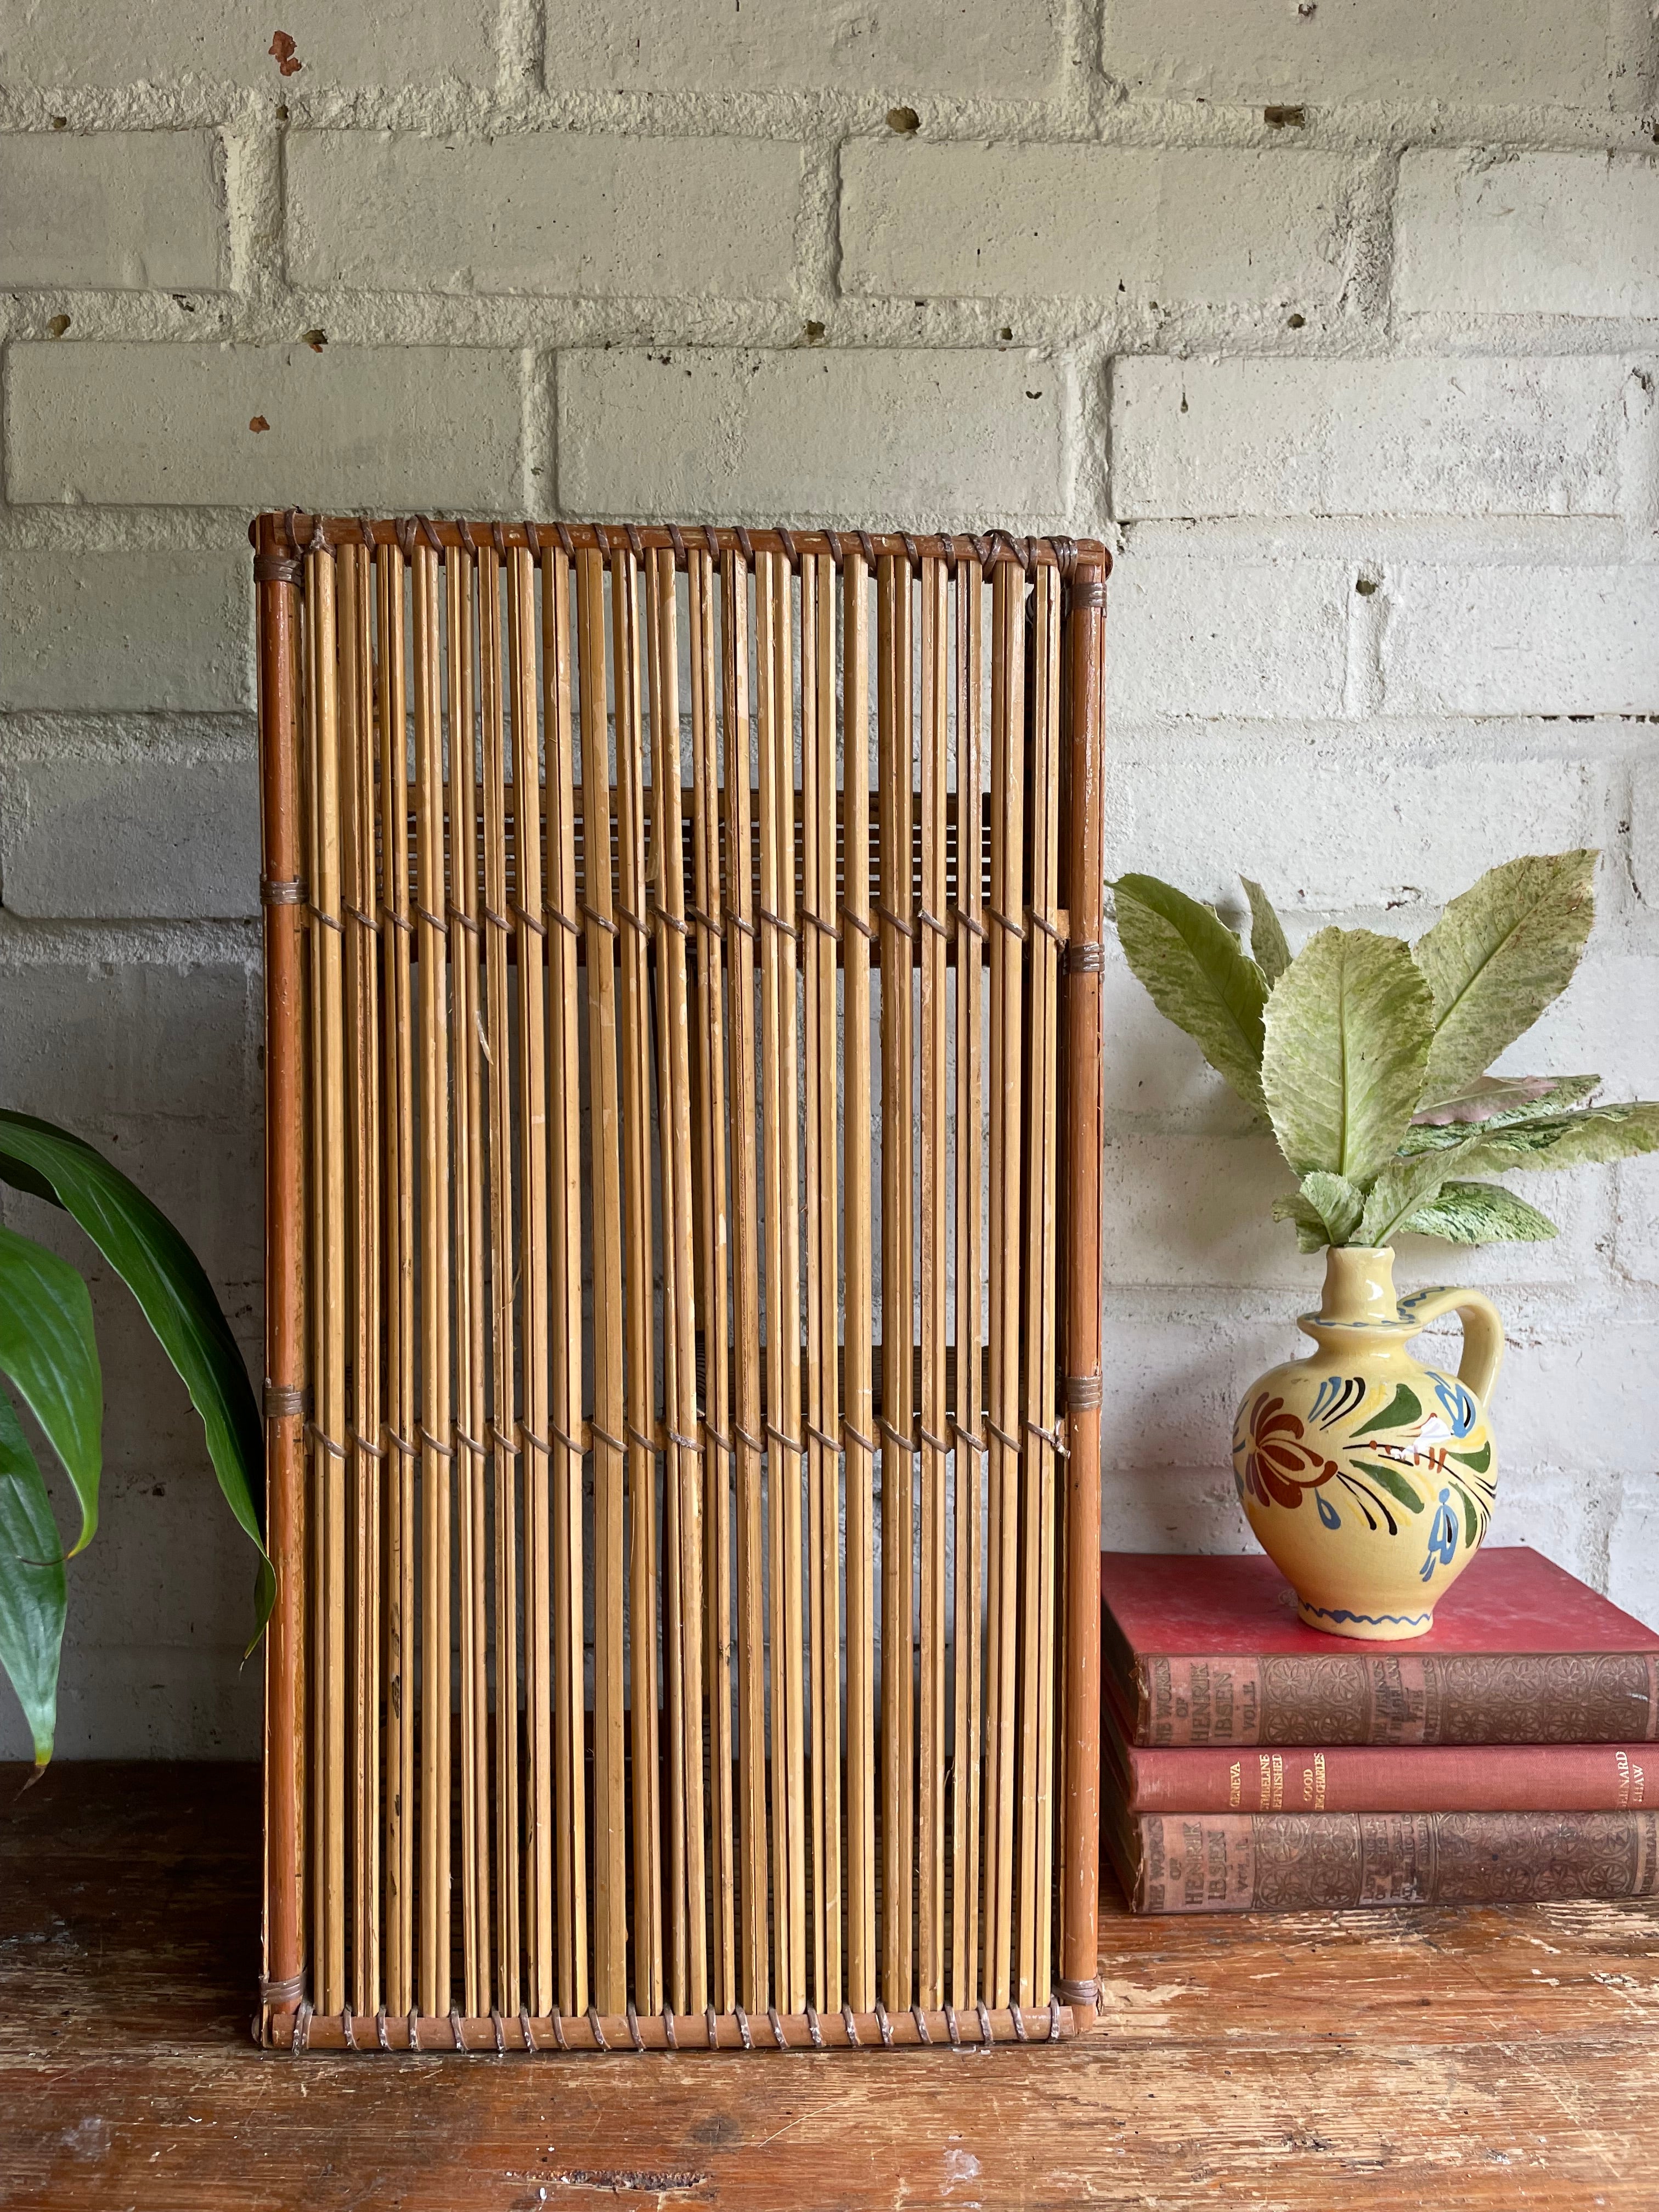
1341	319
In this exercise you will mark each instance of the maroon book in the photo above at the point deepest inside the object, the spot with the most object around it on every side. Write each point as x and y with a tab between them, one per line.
1363	1778
1307	1862
1209	1651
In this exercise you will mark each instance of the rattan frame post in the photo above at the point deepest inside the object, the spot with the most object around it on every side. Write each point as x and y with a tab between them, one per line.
969	668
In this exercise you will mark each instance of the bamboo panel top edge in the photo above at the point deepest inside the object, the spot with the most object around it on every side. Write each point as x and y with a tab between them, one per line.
291	532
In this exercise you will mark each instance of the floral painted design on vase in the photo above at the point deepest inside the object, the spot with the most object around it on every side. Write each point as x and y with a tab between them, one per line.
1367	1477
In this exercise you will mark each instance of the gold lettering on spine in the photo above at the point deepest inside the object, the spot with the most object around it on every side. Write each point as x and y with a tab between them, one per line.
1235	1785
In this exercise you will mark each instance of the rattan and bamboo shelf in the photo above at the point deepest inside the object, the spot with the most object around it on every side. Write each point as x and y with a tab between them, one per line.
682	985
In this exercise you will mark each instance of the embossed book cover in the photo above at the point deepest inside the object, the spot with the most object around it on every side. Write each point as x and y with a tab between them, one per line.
1209	1651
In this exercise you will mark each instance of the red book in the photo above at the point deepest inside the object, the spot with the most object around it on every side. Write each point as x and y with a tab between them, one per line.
1209	1651
1482	1777
1302	1862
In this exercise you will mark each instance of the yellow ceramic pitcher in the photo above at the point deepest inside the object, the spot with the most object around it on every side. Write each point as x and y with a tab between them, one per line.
1367	1477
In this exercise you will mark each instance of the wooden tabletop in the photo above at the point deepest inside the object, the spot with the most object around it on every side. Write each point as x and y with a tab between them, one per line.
1381	2059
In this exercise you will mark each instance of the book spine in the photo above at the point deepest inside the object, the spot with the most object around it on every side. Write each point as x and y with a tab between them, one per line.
1299	1862
1371	1778
1389	1694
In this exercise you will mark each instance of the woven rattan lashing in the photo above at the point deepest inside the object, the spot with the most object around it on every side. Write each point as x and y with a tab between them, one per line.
683	1343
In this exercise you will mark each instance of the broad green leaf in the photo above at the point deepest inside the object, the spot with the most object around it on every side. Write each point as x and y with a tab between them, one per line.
1311	1233
1569	1140
165	1276
48	1349
1337	1203
1406	1184
1198	975
1499	954
1479	1213
33	1591
1493	1095
1348	1032
1269	948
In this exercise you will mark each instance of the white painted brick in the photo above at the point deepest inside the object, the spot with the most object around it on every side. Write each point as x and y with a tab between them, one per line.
1606	1023
1544	234
87	1039
159	424
1521	640
62	44
131	1701
1633	1547
949	438
1645	832
1147	1507
1150	1067
1326	821
1238	637
118	209
1176	1383
1211	438
922	47
131	834
554	212
145	629
1542	1406
1527	52
1177	225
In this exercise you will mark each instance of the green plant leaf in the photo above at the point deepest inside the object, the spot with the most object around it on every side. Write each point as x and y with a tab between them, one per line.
1499	954
34	1591
1569	1140
1494	1095
1347	1032
1269	947
1311	1233
1479	1213
162	1273
1198	975
1405	1185
1425	1135
48	1349
1336	1201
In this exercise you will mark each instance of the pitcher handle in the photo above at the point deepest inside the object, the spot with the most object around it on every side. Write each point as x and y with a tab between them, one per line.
1483	1332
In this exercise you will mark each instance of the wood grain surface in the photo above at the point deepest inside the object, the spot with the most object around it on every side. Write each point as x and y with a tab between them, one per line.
1490	2059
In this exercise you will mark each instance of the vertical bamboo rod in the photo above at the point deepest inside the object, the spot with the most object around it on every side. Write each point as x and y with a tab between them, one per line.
649	1631
461	666
360	897
1007	933
934	1285
556	1939
565	1363
436	1413
610	1897
862	1783
1037	1537
400	1089
898	1279
969	931
683	1462
504	1455
285	1732
316	1466
330	1296
819	934
753	1971
713	1290
1081	1138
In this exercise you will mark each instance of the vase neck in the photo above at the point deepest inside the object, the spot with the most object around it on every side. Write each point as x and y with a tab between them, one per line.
1359	1285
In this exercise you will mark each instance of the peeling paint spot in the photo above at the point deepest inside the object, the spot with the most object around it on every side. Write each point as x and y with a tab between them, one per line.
904	120
1283	119
282	51
258	423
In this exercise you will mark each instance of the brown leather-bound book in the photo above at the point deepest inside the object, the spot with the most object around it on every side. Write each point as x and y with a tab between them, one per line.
1305	1862
1362	1777
1209	1651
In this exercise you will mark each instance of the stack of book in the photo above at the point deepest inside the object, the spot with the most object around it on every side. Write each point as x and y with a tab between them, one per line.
1254	1764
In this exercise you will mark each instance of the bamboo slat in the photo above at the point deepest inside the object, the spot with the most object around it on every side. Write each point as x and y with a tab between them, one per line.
862	1785
503	1447
714	1298
897	1416
471	1399
360	898
397	931
968	928
729	1761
